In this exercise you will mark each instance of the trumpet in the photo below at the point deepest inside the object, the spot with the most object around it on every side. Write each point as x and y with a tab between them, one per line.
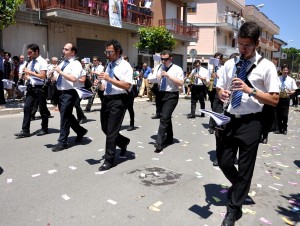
210	84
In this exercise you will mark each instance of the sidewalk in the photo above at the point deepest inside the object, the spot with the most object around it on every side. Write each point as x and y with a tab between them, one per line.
16	106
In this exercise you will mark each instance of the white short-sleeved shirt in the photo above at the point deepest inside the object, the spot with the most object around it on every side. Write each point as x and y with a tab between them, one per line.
78	84
288	84
74	68
21	67
123	71
263	77
203	72
174	71
40	65
98	68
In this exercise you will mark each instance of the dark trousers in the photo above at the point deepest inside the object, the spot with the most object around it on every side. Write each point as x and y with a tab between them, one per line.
217	107
198	93
79	111
211	96
112	114
2	99
67	99
33	95
167	102
282	111
244	135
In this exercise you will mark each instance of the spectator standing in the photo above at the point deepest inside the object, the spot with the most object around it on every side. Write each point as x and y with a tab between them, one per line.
144	73
2	98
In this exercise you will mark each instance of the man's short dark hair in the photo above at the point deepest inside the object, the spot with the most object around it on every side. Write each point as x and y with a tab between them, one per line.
73	48
249	30
117	46
96	57
218	55
285	66
166	52
16	58
197	62
34	47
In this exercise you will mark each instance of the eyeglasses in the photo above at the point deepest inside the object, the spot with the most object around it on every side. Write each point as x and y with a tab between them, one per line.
165	59
247	46
109	52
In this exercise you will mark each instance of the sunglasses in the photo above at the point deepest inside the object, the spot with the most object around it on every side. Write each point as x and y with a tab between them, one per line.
109	52
165	59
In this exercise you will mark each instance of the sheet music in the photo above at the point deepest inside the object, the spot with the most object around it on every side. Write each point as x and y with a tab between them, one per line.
83	93
220	119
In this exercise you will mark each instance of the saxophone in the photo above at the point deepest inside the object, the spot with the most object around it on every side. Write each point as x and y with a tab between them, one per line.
210	84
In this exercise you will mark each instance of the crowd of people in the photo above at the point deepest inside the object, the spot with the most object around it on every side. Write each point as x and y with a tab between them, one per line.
239	88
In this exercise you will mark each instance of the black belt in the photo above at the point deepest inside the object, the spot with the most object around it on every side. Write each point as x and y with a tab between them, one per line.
35	86
66	91
238	116
116	96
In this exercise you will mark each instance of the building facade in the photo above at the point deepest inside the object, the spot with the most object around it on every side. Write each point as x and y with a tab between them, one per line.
52	23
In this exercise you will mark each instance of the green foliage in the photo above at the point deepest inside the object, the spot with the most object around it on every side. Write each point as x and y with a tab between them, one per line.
293	58
155	39
8	10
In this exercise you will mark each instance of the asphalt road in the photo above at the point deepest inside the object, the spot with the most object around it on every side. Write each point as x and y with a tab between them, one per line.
178	187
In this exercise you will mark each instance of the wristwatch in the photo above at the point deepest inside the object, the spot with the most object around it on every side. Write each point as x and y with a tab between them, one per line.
253	93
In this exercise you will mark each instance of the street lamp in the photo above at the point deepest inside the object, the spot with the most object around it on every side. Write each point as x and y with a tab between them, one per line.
293	61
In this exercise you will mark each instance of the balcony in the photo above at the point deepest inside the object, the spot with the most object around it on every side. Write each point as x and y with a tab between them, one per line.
61	9
185	32
229	22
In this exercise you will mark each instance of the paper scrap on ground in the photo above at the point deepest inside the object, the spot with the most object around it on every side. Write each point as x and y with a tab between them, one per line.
155	159
246	210
292	183
100	172
156	174
52	171
252	193
259	185
72	167
287	221
9	180
65	197
223	214
140	146
216	199
112	202
36	175
143	175
188	160
155	206
220	119
265	221
273	188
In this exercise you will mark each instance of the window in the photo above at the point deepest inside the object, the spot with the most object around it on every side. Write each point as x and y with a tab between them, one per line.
192	7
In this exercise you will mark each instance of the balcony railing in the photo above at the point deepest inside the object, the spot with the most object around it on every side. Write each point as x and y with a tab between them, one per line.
178	27
234	22
226	50
130	13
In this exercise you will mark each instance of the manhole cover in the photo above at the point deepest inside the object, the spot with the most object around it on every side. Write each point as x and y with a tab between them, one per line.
156	176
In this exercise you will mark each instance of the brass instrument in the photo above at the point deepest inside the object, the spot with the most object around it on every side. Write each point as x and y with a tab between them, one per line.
210	84
283	92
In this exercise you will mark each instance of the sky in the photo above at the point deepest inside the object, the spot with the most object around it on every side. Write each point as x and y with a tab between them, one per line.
286	15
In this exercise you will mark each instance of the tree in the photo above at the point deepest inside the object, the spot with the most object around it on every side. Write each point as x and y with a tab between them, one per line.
293	58
155	39
8	10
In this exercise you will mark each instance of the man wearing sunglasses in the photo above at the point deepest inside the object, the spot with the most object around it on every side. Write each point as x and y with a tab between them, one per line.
248	94
116	82
170	77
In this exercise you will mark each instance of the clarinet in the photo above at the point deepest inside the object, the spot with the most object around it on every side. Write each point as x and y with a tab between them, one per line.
238	68
99	80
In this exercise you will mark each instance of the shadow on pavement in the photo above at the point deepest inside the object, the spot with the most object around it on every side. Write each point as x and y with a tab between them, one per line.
1	170
292	212
297	163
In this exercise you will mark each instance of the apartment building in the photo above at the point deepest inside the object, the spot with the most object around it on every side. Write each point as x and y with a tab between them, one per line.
52	23
219	22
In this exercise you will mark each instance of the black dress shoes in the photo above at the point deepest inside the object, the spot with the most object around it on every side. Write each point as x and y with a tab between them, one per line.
124	148
156	116
191	116
264	141
42	132
59	147
231	218
22	134
215	163
81	135
104	167
284	132
158	148
83	120
130	128
211	130
202	115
